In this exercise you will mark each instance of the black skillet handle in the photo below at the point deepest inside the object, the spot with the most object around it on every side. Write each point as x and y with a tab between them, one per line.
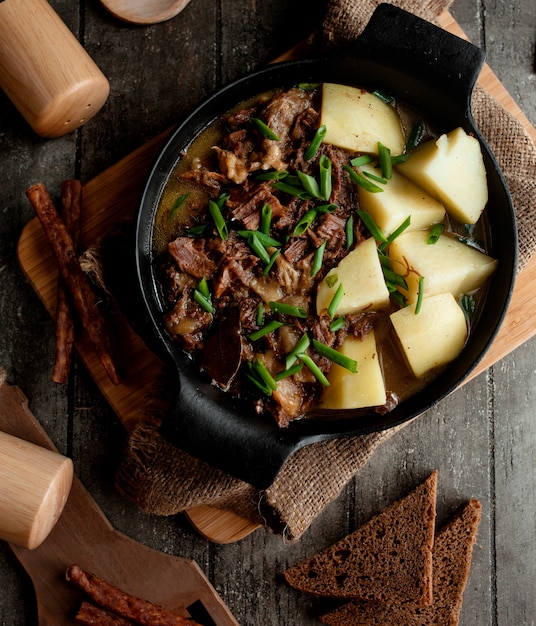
404	42
212	427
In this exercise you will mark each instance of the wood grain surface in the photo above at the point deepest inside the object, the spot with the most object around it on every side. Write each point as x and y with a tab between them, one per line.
481	439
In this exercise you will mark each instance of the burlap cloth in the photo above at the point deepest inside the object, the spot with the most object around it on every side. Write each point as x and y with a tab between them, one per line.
164	480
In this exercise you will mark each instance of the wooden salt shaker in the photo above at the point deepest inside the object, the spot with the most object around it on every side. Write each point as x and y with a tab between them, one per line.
45	71
34	487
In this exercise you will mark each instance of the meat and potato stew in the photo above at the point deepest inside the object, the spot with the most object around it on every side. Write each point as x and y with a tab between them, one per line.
322	248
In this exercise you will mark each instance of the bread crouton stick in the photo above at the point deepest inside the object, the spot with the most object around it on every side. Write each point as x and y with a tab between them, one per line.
83	296
92	615
129	607
71	201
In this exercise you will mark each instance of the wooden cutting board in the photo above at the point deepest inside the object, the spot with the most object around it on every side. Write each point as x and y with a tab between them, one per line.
112	197
83	536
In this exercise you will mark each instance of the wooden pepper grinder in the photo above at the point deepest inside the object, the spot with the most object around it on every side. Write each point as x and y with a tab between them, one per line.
45	71
34	486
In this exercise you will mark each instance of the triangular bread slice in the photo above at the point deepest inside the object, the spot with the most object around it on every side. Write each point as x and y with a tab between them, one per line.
387	559
453	552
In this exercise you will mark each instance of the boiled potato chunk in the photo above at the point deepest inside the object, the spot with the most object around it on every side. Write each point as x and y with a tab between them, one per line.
451	169
399	199
356	120
364	388
447	266
434	336
361	276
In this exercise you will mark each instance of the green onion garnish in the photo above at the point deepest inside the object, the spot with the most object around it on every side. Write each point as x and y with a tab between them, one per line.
260	314
394	278
373	228
415	135
203	301
309	184
256	374
335	301
271	262
264	129
420	295
315	143
468	304
335	356
399	158
315	370
384	97
289	371
195	231
362	181
398	231
266	219
317	258
177	205
273	175
217	216
384	156
399	298
301	346
266	240
361	160
325	177
287	309
435	233
332	280
378	179
336	324
265	375
202	286
349	232
265	330
292	190
304	223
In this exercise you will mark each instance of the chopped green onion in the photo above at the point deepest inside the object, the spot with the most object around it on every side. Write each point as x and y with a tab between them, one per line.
266	219
361	160
308	86
399	158
362	181
313	367
384	97
287	309
273	175
292	190
309	184
304	223
271	262
394	278
264	374
373	228
468	304
335	301
315	143
384	156
264	129
378	179
325	177
177	205
385	261
435	233
254	375
397	232
202	286
326	208
195	231
222	199
258	247
335	356
266	240
265	330
290	371
420	295
317	259
337	324
399	298
301	346
203	301
415	135
349	232
260	314
217	216
332	280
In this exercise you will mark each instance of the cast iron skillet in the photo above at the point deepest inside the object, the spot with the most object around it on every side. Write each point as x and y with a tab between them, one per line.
418	63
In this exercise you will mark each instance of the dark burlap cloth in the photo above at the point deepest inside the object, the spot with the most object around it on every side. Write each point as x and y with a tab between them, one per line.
163	480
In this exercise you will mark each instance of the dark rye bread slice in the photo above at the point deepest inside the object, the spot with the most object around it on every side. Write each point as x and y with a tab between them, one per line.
453	552
388	559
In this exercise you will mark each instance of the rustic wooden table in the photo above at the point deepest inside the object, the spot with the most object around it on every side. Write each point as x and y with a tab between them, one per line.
481	439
